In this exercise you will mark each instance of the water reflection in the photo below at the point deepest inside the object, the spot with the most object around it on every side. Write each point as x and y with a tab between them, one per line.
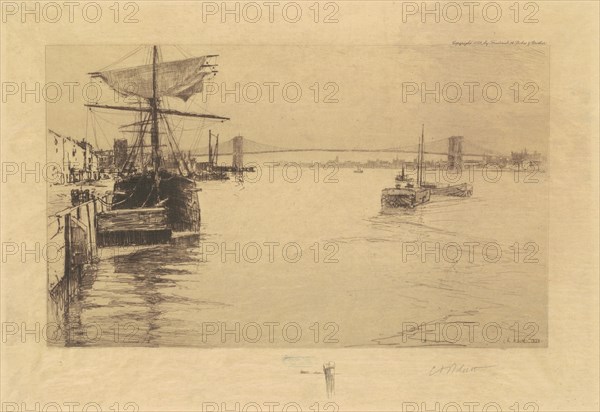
164	295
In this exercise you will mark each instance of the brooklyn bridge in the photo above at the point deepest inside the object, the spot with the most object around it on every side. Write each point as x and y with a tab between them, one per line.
455	148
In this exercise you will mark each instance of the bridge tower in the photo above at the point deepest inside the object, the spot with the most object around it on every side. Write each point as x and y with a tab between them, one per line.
455	159
238	153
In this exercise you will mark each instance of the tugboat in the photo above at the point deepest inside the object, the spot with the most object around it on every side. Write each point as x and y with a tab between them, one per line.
150	202
407	193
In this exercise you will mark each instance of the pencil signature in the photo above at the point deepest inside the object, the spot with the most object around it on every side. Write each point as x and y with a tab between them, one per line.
456	369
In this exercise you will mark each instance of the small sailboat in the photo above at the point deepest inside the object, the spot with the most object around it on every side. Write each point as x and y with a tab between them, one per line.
211	170
407	193
358	169
154	198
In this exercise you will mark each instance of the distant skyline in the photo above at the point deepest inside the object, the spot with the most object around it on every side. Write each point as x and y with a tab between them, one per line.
373	86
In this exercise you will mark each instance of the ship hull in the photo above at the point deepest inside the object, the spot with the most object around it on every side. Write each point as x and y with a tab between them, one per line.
460	190
141	214
408	198
209	176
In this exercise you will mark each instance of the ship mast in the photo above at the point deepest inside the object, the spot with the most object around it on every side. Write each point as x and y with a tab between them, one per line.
152	94
216	155
210	155
420	156
154	113
419	163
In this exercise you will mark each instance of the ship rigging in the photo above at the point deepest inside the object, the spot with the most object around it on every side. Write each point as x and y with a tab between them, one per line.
152	202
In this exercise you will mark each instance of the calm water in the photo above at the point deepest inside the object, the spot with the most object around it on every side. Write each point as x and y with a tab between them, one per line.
362	279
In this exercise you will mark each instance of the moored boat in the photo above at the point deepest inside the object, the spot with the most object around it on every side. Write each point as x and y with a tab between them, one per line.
459	190
151	201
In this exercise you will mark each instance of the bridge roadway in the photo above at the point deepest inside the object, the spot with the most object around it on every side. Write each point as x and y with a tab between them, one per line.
340	150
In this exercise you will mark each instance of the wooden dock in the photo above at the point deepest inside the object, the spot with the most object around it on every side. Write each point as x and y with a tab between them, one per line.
142	226
73	232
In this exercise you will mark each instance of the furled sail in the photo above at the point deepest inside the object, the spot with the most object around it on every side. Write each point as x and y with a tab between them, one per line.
180	78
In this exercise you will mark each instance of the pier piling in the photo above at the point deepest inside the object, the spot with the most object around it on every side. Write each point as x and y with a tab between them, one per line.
76	238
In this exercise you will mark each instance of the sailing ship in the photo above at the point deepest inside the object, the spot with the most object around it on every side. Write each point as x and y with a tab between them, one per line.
407	193
211	170
150	200
358	169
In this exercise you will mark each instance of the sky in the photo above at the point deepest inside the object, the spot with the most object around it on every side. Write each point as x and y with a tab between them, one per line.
351	96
